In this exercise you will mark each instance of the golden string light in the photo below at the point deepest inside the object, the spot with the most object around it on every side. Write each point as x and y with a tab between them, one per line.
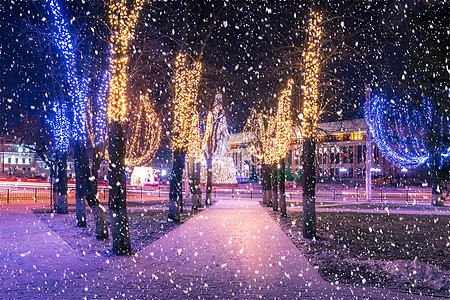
186	120
312	70
284	121
144	134
259	135
268	137
90	122
123	23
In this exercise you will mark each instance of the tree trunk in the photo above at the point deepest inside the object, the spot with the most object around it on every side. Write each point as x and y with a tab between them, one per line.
275	186
63	206
309	189
53	176
198	189
266	184
101	225
80	183
437	198
283	188
176	189
117	193
191	176
208	181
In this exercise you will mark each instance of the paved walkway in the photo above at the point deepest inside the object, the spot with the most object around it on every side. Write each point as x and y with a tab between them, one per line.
232	250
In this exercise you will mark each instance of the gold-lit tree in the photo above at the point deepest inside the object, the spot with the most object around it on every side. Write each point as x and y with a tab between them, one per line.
283	137
185	126
267	138
259	137
311	112
144	134
122	24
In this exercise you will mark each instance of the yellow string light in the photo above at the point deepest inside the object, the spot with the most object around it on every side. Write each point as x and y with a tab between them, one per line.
123	23
268	137
259	136
284	121
312	70
186	120
145	134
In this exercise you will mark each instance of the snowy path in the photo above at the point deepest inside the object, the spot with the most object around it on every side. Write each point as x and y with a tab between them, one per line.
33	259
232	250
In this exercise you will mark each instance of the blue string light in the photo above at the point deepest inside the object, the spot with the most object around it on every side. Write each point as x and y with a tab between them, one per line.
401	132
100	114
59	125
78	88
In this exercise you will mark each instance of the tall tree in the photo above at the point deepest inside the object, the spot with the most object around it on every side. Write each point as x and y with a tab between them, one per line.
310	119
97	129
123	22
59	125
185	125
78	101
259	135
283	138
198	22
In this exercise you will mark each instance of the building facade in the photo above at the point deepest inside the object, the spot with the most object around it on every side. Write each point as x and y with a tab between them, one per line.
20	161
341	155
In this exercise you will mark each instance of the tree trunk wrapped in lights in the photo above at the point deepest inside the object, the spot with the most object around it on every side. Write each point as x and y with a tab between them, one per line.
310	118
259	136
283	139
123	22
59	125
268	139
185	124
78	97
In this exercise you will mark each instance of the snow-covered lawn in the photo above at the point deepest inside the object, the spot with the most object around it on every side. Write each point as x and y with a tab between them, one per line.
399	251
147	220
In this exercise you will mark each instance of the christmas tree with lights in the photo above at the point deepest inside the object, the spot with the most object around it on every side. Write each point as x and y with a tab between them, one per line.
223	168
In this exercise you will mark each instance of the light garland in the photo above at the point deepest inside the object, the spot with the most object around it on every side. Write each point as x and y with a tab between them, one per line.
145	135
312	70
78	88
102	104
223	168
400	132
259	136
96	113
123	23
186	133
59	125
284	121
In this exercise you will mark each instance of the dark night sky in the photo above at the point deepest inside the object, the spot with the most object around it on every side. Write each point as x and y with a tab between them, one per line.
252	44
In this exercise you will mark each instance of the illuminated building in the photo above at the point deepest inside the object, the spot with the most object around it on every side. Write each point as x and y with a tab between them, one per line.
142	176
340	156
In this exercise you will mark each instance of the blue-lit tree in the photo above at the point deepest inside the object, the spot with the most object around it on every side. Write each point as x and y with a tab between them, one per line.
410	134
415	130
78	101
59	126
78	94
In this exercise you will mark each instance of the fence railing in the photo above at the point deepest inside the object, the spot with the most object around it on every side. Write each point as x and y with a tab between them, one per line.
412	195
